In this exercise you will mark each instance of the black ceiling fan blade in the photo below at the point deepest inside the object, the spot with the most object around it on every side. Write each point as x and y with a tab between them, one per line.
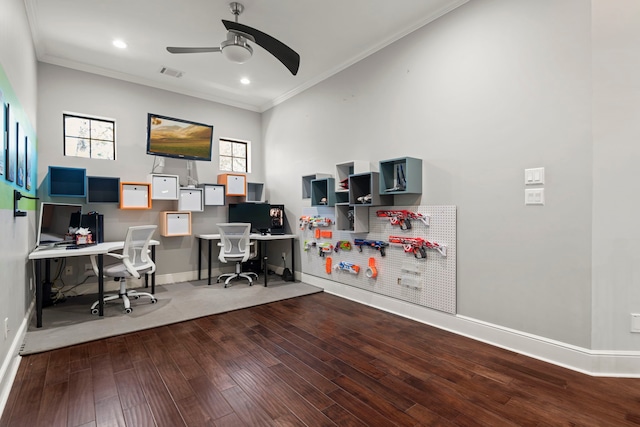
193	49
281	51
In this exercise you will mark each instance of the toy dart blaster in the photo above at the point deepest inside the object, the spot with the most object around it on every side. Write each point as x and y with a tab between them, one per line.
348	266
402	217
418	245
344	245
314	221
324	248
378	245
309	244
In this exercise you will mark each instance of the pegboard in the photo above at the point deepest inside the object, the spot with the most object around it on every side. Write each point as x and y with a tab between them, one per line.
429	282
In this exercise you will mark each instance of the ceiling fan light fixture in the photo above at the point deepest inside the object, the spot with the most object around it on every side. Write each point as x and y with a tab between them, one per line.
236	49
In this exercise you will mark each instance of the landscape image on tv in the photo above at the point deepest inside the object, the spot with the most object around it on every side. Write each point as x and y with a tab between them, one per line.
179	138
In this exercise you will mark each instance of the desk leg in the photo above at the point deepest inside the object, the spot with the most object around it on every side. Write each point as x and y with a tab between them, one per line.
39	293
101	285
263	251
153	275
209	265
199	258
293	259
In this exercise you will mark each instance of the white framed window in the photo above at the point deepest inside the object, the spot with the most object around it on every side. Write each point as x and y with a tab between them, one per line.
89	137
234	155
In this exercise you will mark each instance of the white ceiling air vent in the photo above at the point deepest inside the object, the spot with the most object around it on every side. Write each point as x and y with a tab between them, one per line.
171	72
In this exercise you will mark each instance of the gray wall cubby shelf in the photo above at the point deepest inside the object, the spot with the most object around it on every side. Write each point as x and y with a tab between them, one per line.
255	192
353	167
401	176
354	219
103	189
191	199
214	194
323	188
366	185
306	183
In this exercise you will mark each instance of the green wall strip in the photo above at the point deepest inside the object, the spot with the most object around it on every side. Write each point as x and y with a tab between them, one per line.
23	150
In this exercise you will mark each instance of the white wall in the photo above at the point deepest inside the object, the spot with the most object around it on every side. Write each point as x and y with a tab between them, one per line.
481	94
616	186
17	60
66	90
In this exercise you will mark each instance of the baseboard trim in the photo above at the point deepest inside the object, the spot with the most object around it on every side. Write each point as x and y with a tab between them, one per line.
11	362
605	363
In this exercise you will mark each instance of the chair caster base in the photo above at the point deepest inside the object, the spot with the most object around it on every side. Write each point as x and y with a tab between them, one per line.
95	311
128	310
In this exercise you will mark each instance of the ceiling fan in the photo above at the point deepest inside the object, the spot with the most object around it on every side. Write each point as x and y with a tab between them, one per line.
236	48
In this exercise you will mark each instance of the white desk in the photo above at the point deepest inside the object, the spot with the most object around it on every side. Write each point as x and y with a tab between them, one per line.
258	237
99	249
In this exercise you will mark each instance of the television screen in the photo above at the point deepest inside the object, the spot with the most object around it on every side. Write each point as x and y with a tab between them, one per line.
257	214
178	138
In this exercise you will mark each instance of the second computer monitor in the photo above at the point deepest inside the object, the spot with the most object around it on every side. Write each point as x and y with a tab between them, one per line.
257	214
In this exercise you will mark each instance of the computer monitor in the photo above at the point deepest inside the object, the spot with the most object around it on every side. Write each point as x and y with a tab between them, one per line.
54	222
257	214
277	219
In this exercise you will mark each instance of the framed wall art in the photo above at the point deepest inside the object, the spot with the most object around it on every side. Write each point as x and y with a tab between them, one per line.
10	149
3	133
20	155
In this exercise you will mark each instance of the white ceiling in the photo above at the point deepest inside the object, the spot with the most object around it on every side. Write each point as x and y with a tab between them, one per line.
329	35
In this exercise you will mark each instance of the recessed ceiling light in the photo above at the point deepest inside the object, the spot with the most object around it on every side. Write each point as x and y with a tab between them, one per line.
120	44
245	81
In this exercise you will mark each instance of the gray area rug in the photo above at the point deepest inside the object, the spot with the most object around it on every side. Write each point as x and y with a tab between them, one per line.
71	322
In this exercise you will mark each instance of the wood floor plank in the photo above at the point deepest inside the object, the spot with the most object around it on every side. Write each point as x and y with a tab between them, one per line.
303	387
81	405
260	391
104	385
210	398
53	405
119	353
109	412
162	406
245	408
129	389
139	416
313	360
192	411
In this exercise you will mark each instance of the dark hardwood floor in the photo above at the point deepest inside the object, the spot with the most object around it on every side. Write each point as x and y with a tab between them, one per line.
316	360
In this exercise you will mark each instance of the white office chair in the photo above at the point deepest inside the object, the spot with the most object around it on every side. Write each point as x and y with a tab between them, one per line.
235	246
133	261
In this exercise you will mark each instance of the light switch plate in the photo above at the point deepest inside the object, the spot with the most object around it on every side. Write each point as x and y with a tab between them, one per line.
534	196
534	176
635	322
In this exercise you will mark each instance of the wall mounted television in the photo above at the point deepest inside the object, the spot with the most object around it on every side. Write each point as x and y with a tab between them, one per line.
177	138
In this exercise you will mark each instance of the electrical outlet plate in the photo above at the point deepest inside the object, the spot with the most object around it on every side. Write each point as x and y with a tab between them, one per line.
534	196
